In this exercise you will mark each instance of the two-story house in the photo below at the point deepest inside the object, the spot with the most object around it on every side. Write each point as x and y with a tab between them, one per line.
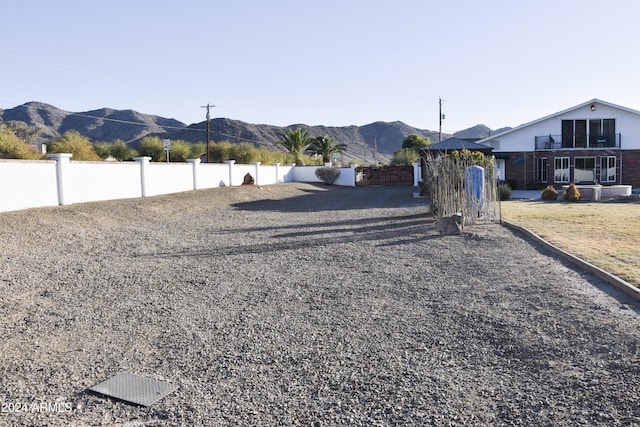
594	142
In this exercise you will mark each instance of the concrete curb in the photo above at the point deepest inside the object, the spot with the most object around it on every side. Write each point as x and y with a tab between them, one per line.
596	271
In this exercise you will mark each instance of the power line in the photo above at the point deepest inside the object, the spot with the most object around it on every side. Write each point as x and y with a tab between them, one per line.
186	128
129	122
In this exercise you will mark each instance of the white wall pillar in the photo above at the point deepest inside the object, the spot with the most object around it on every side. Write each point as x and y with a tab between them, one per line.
195	163
144	161
277	165
257	165
62	162
353	167
417	174
230	163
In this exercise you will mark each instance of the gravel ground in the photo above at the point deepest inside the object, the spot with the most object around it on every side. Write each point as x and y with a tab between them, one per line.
299	304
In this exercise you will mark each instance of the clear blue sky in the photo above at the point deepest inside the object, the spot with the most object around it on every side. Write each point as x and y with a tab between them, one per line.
329	62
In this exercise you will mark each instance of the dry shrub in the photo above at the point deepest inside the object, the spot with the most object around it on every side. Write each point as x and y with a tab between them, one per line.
572	193
549	193
328	175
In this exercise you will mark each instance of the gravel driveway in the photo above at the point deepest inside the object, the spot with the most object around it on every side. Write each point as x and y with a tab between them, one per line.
301	304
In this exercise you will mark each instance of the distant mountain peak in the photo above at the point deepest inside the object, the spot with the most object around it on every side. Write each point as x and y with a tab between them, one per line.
376	141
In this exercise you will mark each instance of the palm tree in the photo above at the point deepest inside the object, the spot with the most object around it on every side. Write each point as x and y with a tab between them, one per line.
326	146
296	141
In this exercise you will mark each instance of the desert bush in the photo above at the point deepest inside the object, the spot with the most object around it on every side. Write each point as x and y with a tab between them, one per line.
152	146
504	191
405	157
244	153
12	147
79	146
572	193
549	193
197	150
180	151
328	175
118	149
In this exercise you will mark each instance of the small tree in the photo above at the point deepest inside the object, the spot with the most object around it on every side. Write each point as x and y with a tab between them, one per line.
152	146
102	149
197	150
23	131
410	152
416	142
268	157
12	147
121	151
79	146
244	152
117	149
220	151
180	151
404	157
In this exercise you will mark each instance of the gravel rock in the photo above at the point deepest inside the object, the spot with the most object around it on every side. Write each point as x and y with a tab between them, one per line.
301	304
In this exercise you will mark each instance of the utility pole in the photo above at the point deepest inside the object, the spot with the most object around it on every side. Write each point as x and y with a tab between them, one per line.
208	127
441	116
375	153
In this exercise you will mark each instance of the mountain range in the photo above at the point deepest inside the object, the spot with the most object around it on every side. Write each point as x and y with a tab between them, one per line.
374	142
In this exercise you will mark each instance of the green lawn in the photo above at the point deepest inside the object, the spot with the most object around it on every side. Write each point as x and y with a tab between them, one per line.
605	234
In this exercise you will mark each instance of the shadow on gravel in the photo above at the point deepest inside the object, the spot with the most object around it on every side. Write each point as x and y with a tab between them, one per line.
326	197
360	222
387	231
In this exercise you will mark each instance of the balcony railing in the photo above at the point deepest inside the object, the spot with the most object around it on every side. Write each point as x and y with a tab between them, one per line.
577	141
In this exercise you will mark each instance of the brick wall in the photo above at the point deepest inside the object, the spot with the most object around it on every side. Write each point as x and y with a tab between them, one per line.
523	173
631	168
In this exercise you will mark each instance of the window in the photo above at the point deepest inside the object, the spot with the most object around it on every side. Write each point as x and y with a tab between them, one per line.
602	132
608	169
567	134
574	133
598	132
541	171
581	133
585	169
561	169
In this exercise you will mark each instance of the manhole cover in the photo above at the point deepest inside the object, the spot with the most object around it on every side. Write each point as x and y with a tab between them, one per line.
134	389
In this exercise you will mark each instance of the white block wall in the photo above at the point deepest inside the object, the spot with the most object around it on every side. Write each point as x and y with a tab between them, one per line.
27	184
62	181
93	181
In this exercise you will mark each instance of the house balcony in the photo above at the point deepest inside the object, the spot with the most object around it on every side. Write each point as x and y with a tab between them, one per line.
577	141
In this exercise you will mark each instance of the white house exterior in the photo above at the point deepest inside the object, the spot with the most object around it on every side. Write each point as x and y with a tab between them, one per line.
594	142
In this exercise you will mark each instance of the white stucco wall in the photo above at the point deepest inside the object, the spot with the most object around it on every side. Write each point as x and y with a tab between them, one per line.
239	171
93	181
166	178
308	174
347	177
27	184
268	175
212	175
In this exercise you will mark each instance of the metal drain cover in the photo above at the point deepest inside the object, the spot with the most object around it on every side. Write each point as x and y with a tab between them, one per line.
134	389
